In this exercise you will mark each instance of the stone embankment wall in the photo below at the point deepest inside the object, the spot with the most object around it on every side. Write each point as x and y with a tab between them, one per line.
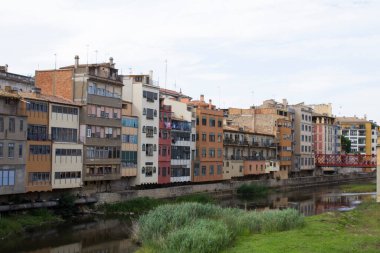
176	191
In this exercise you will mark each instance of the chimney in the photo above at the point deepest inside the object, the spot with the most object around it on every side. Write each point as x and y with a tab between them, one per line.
285	102
111	63
210	104
202	99
76	61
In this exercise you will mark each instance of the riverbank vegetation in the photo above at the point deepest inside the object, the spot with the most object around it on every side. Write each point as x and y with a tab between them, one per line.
195	227
252	191
17	223
359	188
353	231
142	205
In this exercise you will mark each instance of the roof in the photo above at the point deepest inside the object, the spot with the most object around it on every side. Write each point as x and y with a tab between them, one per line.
103	64
352	120
321	115
47	98
244	130
173	93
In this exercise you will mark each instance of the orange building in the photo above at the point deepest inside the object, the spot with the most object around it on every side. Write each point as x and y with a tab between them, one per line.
208	162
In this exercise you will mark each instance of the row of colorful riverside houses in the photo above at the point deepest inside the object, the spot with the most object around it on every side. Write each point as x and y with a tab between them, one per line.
86	126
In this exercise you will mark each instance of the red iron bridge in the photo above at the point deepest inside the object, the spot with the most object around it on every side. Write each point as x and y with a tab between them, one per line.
345	160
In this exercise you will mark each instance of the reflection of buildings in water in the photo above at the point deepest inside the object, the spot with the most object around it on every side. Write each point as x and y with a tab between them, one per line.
119	246
306	207
280	203
69	248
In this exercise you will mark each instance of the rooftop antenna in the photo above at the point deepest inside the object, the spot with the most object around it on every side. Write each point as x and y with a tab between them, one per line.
96	56
87	52
219	91
166	72
55	61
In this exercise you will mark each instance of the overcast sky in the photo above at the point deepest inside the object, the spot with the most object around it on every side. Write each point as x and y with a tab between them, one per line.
237	53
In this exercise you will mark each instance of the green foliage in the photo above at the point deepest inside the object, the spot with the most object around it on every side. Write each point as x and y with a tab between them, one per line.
346	144
358	188
202	236
66	205
15	224
252	191
195	227
354	231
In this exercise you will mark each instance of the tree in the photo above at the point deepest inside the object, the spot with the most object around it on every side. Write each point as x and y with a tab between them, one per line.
345	143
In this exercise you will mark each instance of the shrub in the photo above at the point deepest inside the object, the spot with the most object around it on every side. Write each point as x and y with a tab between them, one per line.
251	191
203	236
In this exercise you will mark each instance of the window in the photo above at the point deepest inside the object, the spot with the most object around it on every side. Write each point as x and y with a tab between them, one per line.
36	106
64	134
150	96
21	125
204	137
7	177
1	124
220	123
220	170
149	149
212	137
204	152
71	152
39	149
212	122
149	113
37	132
12	125
1	150
197	121
39	177
211	152
211	169
129	158
64	110
203	170
219	137
20	150
204	121
196	169
130	122
219	152
180	152
11	150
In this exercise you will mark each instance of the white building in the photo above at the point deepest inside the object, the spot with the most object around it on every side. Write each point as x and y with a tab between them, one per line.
67	151
303	137
183	141
144	96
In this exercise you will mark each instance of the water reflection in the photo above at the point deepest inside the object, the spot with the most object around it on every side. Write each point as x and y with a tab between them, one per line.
90	236
94	235
307	201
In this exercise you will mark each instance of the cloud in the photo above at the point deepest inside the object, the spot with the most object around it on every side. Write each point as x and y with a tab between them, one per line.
306	50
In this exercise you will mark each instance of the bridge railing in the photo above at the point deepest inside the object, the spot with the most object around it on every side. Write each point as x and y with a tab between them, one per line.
345	160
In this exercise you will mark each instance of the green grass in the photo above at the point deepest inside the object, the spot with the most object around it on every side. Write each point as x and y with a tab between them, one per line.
206	228
359	188
17	223
354	231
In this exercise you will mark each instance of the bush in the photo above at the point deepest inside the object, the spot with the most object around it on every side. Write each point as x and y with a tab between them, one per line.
195	227
252	191
203	236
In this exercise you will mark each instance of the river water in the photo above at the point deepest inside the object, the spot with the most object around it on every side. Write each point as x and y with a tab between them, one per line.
110	235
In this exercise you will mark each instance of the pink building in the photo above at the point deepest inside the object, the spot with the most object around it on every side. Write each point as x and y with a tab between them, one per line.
164	143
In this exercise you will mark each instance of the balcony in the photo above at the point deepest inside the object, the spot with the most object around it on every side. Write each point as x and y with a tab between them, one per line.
228	141
99	177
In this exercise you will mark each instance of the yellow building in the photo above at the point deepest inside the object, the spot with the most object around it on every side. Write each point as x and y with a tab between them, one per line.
362	134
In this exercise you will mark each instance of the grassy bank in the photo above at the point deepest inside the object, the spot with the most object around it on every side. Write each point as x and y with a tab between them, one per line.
354	231
142	205
359	188
203	228
17	223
